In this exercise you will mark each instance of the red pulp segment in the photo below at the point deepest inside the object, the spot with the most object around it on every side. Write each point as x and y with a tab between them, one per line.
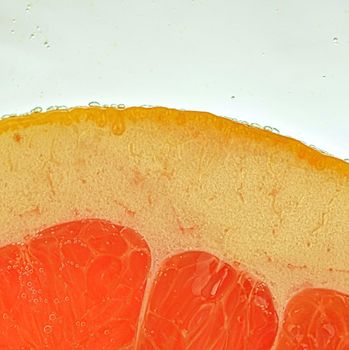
77	285
80	285
316	319
199	302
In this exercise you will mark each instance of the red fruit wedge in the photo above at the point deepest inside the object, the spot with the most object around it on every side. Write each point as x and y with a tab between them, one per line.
316	319
199	302
77	285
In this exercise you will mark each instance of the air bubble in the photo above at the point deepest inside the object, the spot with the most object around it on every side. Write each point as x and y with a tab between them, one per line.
94	104
319	149
47	329
36	110
272	129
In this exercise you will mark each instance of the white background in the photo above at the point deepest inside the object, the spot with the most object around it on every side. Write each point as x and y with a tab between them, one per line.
278	63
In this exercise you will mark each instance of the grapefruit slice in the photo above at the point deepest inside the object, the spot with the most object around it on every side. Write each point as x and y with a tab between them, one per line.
243	220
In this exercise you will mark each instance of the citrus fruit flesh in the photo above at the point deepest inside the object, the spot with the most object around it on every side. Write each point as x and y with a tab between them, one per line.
266	207
77	285
316	319
80	285
199	302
